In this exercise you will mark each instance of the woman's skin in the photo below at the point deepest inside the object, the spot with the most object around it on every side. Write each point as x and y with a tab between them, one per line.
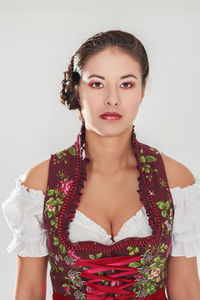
111	160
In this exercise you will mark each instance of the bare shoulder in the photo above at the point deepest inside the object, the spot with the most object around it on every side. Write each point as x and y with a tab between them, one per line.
36	177
178	174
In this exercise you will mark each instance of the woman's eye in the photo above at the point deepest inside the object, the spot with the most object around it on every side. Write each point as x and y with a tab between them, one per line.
93	83
98	84
128	83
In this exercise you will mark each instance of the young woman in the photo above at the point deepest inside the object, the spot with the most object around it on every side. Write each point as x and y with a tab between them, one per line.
115	218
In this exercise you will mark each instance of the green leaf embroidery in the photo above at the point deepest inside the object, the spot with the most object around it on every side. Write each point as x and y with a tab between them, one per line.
157	259
129	248
50	192
53	222
56	241
100	273
150	158
142	159
63	249
167	205
72	151
154	265
164	213
161	204
64	284
134	264
161	266
99	255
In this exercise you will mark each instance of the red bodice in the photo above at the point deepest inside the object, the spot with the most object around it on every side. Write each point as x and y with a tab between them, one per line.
133	268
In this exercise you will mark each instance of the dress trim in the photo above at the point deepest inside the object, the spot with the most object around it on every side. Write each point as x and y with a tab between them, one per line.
72	200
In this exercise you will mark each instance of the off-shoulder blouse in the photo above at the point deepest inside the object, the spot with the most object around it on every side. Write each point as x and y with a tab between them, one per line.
23	211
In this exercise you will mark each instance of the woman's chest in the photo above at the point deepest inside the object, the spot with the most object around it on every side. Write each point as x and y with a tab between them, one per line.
110	200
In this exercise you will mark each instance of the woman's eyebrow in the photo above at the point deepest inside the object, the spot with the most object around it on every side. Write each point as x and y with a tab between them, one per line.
125	76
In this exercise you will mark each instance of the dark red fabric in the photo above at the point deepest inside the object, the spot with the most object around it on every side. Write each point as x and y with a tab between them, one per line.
160	295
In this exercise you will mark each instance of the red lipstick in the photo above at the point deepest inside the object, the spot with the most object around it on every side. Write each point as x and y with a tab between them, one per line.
110	115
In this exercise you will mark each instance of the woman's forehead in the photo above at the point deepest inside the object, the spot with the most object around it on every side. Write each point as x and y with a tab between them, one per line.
109	60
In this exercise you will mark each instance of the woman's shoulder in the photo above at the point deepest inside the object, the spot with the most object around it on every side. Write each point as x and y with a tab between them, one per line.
178	175
36	177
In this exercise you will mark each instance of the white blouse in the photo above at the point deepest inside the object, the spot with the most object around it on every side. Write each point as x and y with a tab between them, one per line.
23	211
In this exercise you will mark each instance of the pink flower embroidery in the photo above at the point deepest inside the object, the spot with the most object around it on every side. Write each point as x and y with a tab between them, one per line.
115	283
65	186
67	288
155	272
150	276
73	255
51	208
169	226
137	276
89	289
158	279
57	258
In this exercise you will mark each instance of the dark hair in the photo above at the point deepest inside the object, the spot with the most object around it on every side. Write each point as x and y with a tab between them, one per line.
93	45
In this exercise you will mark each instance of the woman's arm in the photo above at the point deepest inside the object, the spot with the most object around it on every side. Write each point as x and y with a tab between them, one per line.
31	278
182	278
182	273
31	271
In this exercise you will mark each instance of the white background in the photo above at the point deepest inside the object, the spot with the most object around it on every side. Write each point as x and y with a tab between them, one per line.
38	39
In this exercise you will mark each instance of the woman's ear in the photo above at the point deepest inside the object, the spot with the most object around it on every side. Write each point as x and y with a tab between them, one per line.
143	91
77	92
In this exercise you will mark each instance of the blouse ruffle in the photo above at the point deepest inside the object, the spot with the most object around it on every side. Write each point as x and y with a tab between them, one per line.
186	225
23	211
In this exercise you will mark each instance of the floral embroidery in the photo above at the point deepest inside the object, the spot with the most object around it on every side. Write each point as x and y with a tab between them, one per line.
169	226
141	293
98	255
79	295
150	271
146	167
65	186
164	206
60	156
73	276
50	207
71	258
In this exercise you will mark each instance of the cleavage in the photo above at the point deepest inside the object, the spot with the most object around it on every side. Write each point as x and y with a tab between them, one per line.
104	227
110	201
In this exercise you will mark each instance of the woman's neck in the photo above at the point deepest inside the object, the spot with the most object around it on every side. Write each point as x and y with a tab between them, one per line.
109	154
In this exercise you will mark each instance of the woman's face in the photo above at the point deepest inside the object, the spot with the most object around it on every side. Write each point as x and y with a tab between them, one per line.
102	88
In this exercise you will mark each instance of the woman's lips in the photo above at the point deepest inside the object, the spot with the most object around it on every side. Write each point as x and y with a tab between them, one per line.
110	117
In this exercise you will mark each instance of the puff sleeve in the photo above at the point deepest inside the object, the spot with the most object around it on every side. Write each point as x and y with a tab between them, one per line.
23	211
186	225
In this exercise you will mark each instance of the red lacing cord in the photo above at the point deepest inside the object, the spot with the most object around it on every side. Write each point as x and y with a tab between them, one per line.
95	291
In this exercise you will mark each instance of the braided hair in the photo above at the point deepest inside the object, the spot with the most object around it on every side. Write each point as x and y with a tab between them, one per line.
93	45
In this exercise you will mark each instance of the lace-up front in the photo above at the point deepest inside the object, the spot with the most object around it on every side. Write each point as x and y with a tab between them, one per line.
116	285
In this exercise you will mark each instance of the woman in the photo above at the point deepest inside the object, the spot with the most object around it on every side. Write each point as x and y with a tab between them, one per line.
115	218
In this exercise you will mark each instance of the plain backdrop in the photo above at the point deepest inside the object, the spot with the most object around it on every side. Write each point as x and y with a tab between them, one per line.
38	39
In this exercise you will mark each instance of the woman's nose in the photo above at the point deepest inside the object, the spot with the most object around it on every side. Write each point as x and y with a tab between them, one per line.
112	97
